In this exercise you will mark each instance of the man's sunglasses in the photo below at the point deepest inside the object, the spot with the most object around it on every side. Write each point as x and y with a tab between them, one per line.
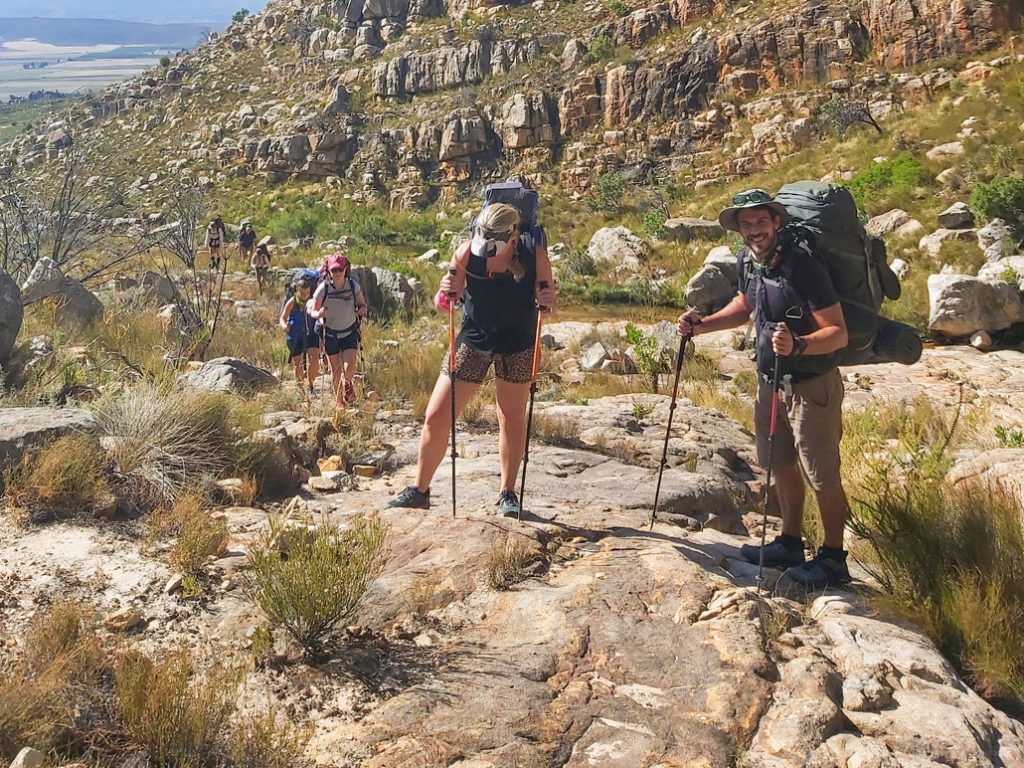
751	196
336	269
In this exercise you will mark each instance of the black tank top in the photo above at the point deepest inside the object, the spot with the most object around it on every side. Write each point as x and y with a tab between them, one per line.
500	313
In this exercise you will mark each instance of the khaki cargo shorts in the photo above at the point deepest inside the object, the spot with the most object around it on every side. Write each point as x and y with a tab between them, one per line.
809	427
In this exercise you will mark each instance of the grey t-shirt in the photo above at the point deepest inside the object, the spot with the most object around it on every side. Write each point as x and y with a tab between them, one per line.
339	305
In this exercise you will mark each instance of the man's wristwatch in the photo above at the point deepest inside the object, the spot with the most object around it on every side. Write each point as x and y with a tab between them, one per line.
799	345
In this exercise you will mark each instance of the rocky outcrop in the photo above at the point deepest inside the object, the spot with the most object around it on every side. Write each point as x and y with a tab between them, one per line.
527	120
386	292
909	32
11	315
416	73
227	374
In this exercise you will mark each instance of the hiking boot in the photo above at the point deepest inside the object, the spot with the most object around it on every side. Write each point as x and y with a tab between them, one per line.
508	504
777	554
411	498
825	569
350	393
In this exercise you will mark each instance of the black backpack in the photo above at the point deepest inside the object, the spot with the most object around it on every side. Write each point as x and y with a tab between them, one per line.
824	217
524	200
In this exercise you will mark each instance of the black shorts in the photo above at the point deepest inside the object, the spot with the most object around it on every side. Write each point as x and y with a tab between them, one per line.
334	345
296	346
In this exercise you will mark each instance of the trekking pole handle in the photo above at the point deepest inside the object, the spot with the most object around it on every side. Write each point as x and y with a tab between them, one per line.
452	272
543	284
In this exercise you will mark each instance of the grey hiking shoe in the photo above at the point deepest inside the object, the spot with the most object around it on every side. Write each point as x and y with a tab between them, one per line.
777	554
508	504
823	570
411	498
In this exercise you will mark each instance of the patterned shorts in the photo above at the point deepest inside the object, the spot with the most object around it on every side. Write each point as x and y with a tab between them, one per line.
472	365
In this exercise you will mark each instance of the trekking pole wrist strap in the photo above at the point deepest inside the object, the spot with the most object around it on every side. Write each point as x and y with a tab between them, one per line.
799	345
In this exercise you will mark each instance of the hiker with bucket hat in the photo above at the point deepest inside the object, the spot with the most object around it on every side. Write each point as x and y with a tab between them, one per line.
503	275
339	304
799	325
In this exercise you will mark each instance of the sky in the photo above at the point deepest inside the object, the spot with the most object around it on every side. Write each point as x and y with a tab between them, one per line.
161	12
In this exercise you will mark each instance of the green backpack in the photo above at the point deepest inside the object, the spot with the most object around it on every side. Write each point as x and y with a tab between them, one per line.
824	216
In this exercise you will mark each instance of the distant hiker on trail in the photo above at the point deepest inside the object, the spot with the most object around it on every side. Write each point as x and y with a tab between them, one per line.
300	332
214	241
260	262
503	274
799	322
339	303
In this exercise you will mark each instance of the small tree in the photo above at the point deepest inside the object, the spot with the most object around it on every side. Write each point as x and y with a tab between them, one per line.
198	306
606	193
165	61
841	115
649	358
240	15
1001	198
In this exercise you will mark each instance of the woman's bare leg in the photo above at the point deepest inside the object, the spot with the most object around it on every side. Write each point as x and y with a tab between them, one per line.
437	426
512	400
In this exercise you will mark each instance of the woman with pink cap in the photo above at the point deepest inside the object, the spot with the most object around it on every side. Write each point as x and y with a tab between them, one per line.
339	304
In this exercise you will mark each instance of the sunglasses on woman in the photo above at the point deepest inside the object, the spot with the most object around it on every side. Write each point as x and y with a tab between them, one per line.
501	237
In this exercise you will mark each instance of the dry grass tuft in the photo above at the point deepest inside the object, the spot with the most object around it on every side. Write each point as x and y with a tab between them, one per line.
198	536
163	443
268	740
165	707
508	561
59	478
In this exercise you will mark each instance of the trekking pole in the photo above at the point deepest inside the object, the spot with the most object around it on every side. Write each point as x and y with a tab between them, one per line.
451	375
304	384
668	429
529	413
768	479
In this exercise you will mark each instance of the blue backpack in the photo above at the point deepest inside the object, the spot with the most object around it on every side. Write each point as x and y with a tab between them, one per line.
524	200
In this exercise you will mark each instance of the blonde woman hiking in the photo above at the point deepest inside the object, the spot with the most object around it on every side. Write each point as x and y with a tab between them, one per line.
503	274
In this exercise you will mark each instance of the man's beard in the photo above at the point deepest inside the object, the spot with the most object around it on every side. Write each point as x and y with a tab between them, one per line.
764	248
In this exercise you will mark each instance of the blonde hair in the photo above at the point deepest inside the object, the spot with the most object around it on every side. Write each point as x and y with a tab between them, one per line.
499	217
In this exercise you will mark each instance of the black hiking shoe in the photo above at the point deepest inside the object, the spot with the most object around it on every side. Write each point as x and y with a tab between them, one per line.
826	569
411	498
777	553
508	504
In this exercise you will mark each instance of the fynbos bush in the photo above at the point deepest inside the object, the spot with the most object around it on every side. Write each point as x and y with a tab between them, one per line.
310	580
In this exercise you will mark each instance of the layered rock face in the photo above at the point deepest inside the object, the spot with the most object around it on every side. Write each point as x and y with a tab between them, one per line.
909	32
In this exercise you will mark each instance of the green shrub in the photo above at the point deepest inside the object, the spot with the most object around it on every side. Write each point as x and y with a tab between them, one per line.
606	193
654	223
891	180
650	360
239	15
321	579
1009	438
165	61
602	48
579	262
619	7
1001	198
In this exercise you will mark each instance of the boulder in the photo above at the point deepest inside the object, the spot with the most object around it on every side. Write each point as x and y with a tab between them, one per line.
1009	269
961	305
957	216
595	356
1000	467
76	304
11	315
228	374
722	257
996	239
932	244
385	291
617	247
686	229
29	758
946	151
887	223
710	289
23	428
158	287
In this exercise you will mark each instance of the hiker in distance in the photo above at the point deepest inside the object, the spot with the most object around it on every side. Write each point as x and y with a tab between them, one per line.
799	322
339	304
503	274
300	332
215	238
